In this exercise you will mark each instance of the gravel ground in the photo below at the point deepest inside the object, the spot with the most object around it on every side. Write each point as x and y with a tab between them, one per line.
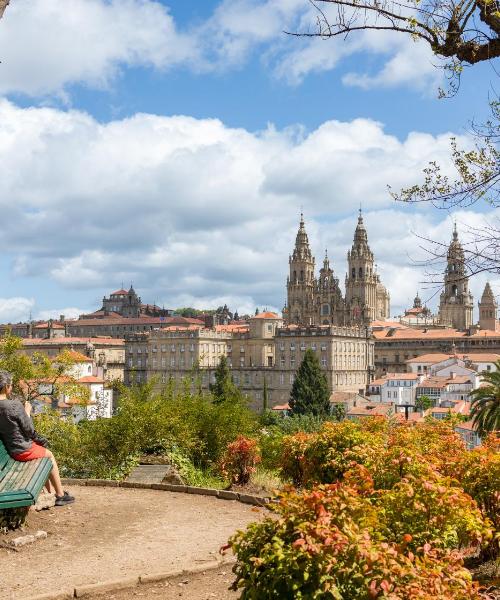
113	533
212	585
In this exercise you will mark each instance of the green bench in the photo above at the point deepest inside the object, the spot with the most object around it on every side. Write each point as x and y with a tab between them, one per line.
21	482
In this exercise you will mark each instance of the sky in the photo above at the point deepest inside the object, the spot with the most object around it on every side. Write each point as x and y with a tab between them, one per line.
174	143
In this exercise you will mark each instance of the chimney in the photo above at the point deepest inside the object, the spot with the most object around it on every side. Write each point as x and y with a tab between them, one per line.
453	374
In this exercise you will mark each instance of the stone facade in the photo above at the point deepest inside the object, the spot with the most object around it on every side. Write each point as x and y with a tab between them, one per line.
319	301
488	308
264	350
456	302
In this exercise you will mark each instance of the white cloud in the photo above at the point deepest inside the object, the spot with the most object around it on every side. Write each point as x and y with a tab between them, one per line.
13	310
69	313
189	208
47	44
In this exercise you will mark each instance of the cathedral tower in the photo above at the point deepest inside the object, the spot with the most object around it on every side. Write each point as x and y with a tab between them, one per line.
456	302
301	282
488	307
366	297
330	307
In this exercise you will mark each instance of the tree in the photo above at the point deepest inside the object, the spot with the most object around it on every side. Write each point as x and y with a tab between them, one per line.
423	403
223	388
30	371
485	409
461	32
3	6
310	393
265	397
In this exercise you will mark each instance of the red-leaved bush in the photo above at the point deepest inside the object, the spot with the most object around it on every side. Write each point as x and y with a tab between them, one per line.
240	459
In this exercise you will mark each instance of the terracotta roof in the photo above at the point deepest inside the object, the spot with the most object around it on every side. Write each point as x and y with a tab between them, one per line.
233	328
91	379
165	321
281	407
467	425
344	396
409	333
387	324
371	410
63	341
380	381
267	315
437	357
121	292
77	356
410	376
441	381
46	325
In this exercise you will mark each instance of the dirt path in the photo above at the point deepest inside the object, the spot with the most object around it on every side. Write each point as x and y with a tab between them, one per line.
212	585
112	533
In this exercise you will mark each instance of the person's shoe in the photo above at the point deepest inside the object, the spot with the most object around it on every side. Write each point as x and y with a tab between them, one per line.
63	500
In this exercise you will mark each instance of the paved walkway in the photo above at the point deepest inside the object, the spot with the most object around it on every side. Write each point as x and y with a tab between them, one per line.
113	533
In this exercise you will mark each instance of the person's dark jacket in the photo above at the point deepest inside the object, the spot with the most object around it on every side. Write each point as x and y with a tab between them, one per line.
16	428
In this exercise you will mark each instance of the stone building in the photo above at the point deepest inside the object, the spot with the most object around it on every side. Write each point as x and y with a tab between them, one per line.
108	354
319	301
456	303
127	304
488	308
262	350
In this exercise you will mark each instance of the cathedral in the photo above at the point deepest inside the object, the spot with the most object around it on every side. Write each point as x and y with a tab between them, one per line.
319	300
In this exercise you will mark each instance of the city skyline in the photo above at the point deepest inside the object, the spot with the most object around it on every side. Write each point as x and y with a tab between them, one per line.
100	147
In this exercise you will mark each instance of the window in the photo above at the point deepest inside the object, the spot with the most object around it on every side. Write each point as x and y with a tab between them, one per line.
242	361
270	328
323	347
163	362
313	346
292	378
303	347
172	348
292	360
164	378
282	360
155	349
139	362
292	346
154	363
139	350
181	348
181	362
163	348
172	361
191	348
323	361
282	378
282	346
130	362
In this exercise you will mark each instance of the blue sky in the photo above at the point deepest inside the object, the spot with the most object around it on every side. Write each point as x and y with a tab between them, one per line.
173	143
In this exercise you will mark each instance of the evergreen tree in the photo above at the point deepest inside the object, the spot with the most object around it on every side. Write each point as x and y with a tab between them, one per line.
310	393
223	388
265	397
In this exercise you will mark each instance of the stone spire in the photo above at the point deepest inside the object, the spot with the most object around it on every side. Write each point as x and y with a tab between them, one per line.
417	303
302	250
488	308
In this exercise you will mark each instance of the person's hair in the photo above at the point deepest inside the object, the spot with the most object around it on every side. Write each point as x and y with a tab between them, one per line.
5	379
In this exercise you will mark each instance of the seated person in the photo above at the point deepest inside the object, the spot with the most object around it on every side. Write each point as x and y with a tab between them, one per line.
17	433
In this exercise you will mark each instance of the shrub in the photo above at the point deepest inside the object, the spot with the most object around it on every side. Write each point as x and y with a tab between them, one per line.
240	460
325	456
328	543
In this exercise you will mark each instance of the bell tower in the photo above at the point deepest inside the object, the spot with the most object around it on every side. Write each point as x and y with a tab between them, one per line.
301	282
361	280
456	302
488	307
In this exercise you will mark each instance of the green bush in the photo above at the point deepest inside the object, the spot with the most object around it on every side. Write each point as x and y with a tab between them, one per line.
329	543
165	422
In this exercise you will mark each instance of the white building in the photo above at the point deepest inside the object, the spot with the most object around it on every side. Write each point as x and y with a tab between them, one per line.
395	388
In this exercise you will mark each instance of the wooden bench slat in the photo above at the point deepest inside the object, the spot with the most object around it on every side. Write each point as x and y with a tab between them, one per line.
21	482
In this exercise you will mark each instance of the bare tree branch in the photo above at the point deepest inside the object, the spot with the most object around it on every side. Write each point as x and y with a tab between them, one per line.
3	6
